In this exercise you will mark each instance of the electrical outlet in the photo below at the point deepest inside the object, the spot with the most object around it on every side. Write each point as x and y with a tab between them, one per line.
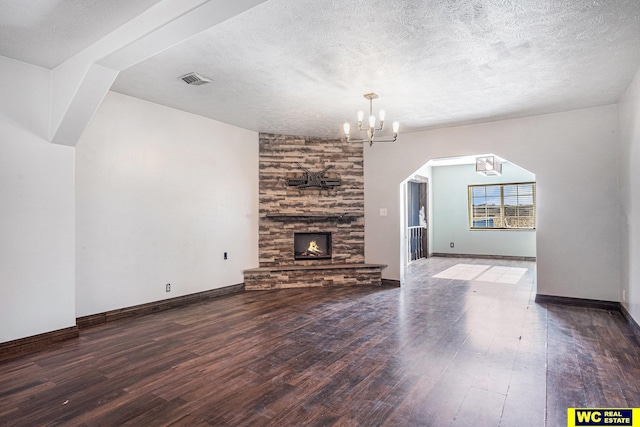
624	295
383	212
225	255
451	245
168	287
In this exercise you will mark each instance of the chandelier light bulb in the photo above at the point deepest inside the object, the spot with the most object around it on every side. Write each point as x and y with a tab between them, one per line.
371	130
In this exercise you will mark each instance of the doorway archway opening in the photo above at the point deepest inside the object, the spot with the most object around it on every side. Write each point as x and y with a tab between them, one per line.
439	216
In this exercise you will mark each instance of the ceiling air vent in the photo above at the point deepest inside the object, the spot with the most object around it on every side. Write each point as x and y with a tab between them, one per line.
195	79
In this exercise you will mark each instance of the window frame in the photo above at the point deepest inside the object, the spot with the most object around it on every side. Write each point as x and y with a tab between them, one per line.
470	206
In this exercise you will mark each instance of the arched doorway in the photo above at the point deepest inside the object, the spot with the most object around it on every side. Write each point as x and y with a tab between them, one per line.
452	223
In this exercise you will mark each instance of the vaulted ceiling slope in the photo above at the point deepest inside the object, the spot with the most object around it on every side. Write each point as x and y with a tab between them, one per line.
302	66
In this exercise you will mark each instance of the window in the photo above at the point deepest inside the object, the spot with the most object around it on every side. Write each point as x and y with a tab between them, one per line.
502	206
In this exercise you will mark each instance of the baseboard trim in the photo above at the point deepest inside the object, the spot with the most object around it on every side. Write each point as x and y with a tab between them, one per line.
631	322
578	302
505	257
34	343
154	307
391	283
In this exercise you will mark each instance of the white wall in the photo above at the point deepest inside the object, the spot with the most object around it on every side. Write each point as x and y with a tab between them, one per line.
450	221
574	157
37	234
629	124
25	96
160	196
36	209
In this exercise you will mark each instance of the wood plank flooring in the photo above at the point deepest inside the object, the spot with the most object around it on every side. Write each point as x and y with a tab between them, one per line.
436	352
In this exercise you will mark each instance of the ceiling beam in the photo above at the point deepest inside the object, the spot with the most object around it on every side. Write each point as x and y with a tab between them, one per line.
80	84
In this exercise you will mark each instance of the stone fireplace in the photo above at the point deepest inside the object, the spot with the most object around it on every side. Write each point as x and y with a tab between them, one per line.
334	211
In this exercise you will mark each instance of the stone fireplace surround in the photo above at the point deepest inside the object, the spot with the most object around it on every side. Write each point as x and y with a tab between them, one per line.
284	210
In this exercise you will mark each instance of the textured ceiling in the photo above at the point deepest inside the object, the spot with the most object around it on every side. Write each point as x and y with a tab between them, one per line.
302	66
48	32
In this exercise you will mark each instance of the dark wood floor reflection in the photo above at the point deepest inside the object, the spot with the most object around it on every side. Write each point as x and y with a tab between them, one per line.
593	361
436	352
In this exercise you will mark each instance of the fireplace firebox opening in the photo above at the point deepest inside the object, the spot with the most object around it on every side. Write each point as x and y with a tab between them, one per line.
312	245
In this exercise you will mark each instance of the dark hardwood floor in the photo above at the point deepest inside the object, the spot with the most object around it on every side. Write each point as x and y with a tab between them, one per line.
436	352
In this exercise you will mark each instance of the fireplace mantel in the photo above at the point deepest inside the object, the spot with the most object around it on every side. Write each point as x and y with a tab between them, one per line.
312	216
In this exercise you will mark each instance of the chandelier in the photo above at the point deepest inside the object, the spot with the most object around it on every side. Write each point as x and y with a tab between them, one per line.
488	166
371	129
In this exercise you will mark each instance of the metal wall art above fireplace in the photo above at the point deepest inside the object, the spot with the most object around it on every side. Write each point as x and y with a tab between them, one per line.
312	245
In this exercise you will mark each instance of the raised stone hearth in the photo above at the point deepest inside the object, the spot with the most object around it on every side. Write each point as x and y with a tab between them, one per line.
297	276
286	210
